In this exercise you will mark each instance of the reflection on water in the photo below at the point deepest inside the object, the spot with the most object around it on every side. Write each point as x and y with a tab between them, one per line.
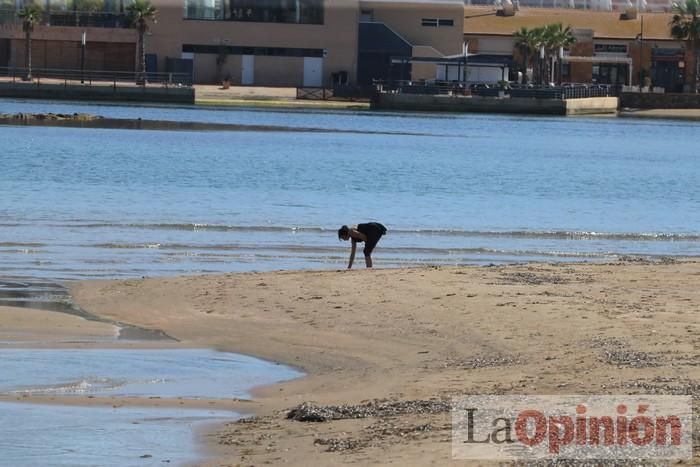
169	373
57	436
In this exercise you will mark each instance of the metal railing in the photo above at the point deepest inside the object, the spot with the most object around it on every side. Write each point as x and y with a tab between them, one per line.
565	91
337	92
84	19
422	87
93	77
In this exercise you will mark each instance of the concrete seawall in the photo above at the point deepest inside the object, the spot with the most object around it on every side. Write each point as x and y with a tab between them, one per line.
515	105
177	95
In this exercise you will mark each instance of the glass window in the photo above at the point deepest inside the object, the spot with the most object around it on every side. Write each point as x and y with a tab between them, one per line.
204	9
435	22
276	11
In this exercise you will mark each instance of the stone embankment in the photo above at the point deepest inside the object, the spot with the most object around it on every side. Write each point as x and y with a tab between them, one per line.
27	117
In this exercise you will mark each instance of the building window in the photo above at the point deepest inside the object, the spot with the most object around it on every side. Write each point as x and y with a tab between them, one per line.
204	9
256	11
437	22
243	50
566	72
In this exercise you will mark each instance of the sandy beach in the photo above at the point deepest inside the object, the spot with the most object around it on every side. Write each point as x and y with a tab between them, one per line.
412	338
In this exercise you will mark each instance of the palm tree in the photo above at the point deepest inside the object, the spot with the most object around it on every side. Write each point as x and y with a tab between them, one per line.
685	26
526	41
560	38
541	41
30	15
141	13
552	38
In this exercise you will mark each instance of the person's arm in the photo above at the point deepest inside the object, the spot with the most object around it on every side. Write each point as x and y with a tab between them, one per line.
352	253
356	234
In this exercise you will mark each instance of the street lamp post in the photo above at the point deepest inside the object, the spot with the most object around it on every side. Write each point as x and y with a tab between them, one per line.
83	41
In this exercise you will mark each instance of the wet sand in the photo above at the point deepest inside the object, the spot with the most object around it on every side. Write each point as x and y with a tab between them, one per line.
32	327
414	337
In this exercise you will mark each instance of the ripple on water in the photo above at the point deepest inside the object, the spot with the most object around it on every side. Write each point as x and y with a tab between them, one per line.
167	373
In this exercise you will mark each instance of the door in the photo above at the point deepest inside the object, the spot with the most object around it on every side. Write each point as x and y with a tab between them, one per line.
151	67
668	75
247	69
313	72
4	53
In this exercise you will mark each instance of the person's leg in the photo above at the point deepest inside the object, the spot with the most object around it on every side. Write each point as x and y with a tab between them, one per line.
369	246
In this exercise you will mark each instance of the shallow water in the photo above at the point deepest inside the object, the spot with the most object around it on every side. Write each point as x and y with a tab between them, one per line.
48	435
82	203
171	373
32	435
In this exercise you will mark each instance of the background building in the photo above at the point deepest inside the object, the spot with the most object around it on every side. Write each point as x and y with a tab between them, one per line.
271	43
611	48
311	43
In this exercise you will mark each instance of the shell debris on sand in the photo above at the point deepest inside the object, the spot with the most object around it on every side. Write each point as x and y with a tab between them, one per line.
617	352
308	412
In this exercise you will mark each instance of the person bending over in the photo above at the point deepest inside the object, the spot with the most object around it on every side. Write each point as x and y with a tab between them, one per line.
369	233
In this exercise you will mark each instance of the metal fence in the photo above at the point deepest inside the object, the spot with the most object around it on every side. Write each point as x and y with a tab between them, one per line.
93	77
566	91
337	92
422	87
84	19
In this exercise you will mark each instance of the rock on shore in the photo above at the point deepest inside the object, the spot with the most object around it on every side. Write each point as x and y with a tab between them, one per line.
50	116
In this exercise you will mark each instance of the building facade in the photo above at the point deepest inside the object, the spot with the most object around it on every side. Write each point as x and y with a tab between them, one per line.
272	43
611	47
312	43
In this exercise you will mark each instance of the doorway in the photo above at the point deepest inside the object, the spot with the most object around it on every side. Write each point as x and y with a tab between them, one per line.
247	70
313	72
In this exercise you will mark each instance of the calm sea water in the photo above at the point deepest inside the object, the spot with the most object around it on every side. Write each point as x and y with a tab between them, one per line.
32	434
452	189
62	436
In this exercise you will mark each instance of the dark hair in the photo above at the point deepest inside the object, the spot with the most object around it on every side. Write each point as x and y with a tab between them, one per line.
344	231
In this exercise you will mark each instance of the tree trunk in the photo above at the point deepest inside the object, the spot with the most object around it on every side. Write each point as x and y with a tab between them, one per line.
697	67
28	54
142	57
526	59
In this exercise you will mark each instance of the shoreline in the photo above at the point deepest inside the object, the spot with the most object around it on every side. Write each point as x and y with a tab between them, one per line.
26	328
284	102
403	346
691	115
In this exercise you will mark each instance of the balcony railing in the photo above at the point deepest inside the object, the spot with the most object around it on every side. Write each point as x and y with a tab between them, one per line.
83	19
